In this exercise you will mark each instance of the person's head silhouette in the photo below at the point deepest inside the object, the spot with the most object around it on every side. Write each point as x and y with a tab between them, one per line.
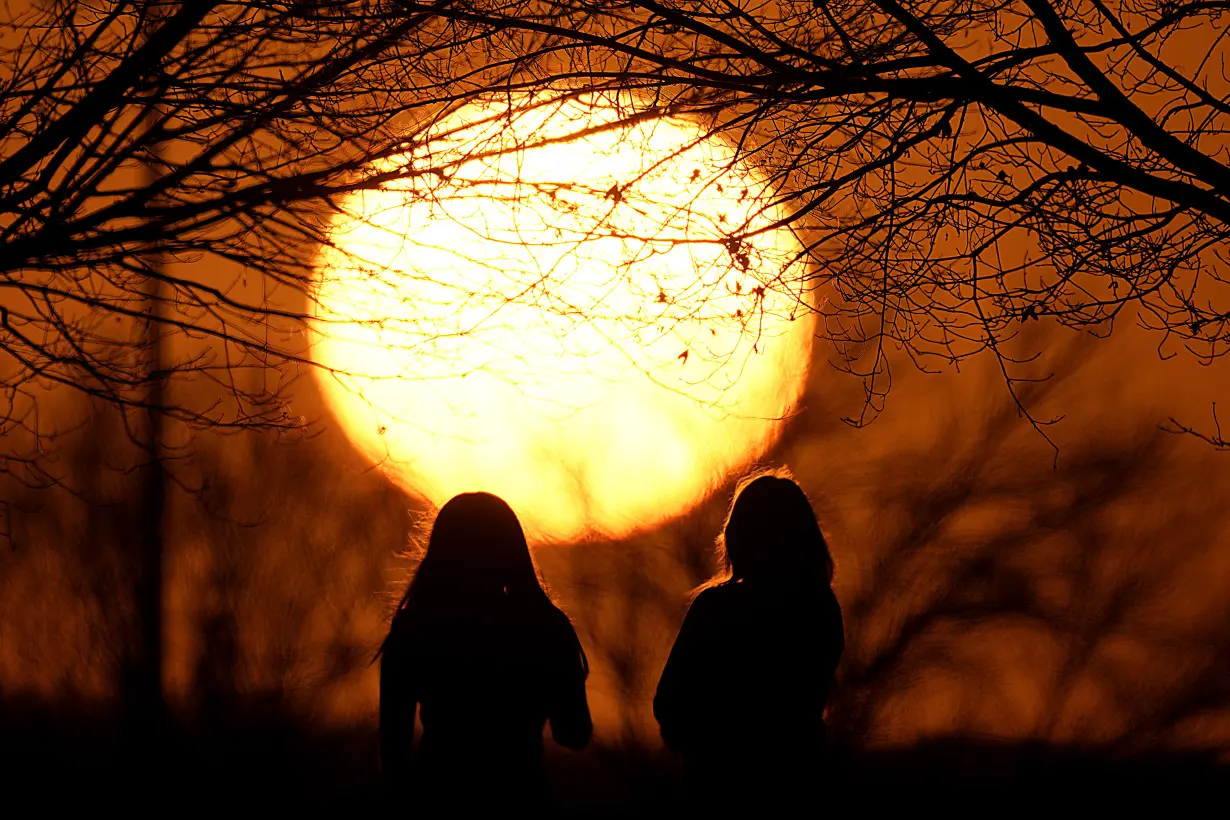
477	549
771	533
477	559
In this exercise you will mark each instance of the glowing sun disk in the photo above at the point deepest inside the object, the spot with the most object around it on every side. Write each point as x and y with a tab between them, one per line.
597	329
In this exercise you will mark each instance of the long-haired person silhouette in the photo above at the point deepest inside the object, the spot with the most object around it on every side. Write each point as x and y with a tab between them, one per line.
479	648
744	690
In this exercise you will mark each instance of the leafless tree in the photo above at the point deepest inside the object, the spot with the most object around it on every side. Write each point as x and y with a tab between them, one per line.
143	147
957	168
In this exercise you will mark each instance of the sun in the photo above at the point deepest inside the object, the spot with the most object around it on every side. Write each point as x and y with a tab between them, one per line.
592	315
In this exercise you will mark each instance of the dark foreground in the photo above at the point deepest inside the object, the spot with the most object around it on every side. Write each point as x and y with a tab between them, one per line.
78	757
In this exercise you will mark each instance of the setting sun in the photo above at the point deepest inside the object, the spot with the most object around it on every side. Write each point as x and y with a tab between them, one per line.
597	328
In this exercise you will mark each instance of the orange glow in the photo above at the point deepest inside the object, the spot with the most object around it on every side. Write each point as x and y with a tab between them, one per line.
568	326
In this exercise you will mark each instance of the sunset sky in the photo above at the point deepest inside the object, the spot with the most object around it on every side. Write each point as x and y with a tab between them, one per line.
273	296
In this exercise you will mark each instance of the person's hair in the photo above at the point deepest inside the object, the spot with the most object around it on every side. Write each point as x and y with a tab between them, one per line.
771	531
476	555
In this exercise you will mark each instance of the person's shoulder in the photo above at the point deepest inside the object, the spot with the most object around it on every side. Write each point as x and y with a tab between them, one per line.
714	598
830	599
559	638
401	641
557	621
830	610
558	616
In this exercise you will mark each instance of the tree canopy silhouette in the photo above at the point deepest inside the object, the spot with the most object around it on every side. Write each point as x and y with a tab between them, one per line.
957	169
144	147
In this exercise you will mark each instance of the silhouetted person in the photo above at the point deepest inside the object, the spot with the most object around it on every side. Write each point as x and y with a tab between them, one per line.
488	659
744	690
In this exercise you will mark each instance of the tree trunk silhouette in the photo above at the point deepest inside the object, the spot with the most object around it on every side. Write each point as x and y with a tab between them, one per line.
143	688
143	676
